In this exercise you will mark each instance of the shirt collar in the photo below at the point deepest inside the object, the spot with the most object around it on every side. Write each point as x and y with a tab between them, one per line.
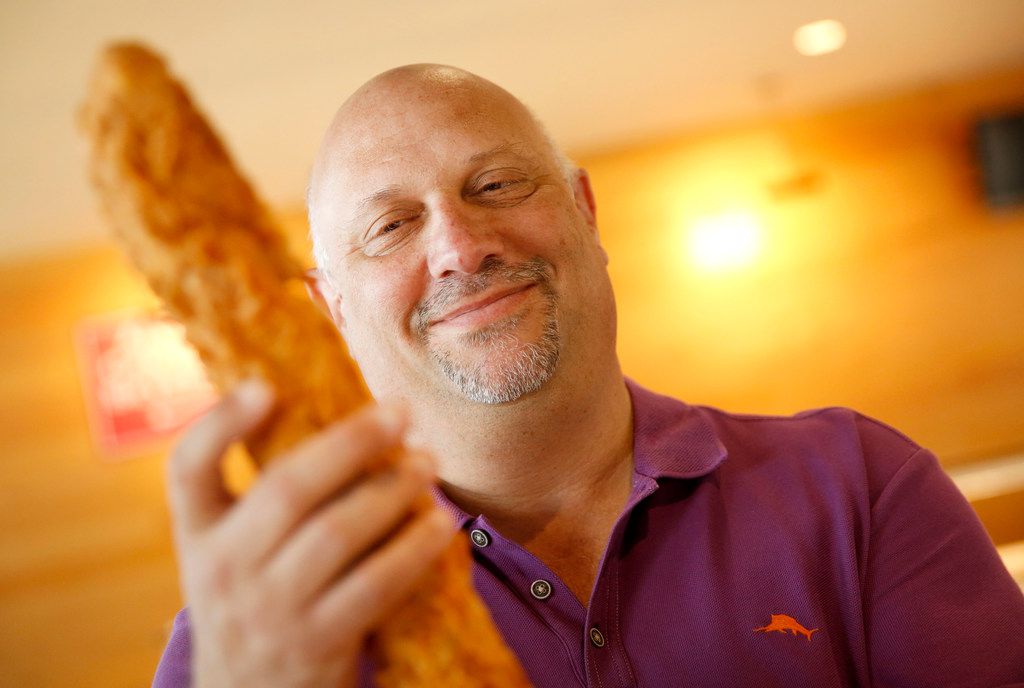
670	440
458	516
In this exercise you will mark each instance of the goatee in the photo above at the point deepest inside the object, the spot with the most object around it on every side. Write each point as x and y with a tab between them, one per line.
511	368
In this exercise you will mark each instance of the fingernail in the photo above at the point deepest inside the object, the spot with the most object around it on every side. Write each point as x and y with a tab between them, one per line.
421	464
392	417
443	520
254	392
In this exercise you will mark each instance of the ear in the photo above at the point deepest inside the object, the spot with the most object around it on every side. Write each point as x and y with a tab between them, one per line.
585	203
584	197
324	296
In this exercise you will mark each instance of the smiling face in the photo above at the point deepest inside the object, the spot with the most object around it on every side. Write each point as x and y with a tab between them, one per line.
479	331
460	258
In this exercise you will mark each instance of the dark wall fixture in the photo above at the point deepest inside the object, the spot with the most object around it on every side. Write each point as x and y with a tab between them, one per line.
1000	141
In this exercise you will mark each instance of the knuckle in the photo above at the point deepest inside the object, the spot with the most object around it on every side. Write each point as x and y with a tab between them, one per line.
286	493
409	493
216	575
334	530
182	474
261	617
338	439
181	462
368	589
381	497
365	432
196	444
398	494
183	466
312	646
413	482
353	435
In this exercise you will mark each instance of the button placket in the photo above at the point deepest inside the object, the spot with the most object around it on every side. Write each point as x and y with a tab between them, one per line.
531	583
607	663
540	589
479	537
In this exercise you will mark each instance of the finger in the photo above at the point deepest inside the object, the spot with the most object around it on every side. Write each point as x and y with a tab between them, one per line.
343	530
371	591
195	484
297	483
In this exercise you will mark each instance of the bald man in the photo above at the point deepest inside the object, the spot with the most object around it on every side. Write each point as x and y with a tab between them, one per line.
621	538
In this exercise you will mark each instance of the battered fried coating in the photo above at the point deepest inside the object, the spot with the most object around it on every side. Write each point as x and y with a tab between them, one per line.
211	251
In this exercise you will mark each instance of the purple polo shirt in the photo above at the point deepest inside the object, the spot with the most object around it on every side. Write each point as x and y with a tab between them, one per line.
822	549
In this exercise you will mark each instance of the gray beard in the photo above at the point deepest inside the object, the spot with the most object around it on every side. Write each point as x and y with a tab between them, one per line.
518	368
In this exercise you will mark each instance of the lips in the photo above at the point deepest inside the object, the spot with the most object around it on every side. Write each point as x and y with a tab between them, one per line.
483	306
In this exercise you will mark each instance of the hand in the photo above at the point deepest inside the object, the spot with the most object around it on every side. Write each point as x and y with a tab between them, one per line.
284	583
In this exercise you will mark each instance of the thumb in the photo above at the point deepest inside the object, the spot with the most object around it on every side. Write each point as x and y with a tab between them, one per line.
196	488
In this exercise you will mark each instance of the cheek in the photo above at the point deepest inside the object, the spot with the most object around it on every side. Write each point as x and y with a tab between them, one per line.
369	333
573	243
377	301
552	235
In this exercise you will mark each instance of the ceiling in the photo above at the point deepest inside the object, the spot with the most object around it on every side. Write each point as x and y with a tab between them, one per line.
601	73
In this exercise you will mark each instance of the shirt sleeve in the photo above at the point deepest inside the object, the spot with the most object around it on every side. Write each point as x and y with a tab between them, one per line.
174	670
940	607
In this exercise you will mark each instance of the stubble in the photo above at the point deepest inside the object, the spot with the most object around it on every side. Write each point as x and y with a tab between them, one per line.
510	368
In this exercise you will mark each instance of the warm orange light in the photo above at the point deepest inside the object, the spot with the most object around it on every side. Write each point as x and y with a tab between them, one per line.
727	241
819	37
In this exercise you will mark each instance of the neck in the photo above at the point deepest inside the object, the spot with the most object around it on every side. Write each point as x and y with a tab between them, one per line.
527	464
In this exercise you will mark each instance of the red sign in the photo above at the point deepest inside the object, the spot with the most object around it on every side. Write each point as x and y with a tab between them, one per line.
142	381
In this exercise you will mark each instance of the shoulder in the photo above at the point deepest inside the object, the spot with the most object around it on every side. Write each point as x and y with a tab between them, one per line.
835	441
816	447
821	426
830	441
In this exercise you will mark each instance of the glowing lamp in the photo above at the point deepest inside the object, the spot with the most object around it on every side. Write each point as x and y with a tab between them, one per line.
819	37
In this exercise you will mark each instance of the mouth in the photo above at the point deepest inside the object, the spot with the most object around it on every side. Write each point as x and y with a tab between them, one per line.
483	310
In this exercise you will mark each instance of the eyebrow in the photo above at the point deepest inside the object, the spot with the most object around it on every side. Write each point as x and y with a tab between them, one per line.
389	192
513	147
385	194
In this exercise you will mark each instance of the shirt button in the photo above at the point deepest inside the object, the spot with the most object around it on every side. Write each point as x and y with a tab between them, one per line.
596	637
540	589
479	538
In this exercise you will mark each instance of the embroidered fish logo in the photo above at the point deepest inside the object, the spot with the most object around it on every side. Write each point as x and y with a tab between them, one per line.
783	623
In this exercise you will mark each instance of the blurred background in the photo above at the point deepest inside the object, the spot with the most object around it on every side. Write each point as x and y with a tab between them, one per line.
799	213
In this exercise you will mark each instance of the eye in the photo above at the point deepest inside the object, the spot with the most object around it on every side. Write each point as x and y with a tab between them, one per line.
498	186
389	233
390	227
390	223
504	187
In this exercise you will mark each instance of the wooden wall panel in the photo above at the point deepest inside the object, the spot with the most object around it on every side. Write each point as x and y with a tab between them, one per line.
884	285
884	282
87	577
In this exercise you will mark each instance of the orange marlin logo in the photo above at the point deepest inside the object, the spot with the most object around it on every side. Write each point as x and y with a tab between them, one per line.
783	623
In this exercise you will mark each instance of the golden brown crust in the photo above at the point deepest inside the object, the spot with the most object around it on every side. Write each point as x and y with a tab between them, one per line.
208	247
196	230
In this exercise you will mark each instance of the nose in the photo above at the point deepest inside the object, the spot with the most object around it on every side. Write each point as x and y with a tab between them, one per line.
460	239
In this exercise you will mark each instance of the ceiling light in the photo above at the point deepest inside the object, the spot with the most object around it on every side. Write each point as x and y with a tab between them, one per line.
726	241
820	37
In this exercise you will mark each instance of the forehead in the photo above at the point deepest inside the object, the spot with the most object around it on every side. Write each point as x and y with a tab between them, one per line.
407	133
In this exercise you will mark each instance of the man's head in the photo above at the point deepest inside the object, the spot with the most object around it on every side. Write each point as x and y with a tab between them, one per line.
457	247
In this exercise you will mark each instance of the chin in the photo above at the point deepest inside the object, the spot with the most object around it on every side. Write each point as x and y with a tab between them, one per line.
506	370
